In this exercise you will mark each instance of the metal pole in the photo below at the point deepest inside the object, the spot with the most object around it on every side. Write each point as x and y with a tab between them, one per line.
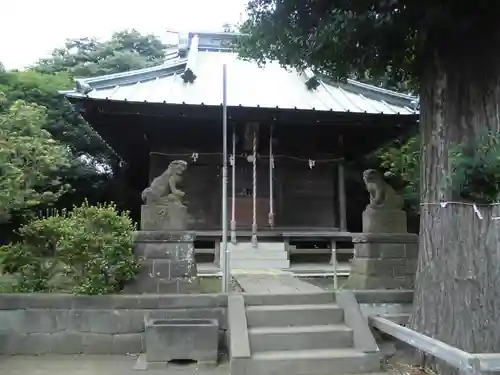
341	188
271	167
233	192
254	189
334	264
225	250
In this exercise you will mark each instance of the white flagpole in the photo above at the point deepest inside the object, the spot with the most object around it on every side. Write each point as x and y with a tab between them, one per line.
226	277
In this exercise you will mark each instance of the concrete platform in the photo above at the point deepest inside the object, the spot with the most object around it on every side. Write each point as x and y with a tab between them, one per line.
93	365
299	269
278	283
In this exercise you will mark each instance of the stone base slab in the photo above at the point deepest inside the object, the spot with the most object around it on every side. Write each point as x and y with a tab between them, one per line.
384	221
384	261
173	216
168	263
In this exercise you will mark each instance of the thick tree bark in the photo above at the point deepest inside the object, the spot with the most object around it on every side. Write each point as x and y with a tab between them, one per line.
457	293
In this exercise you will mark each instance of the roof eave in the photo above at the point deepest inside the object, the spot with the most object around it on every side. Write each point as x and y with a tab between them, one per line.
88	84
377	93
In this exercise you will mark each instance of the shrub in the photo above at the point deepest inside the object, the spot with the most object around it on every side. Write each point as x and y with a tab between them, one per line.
475	169
90	248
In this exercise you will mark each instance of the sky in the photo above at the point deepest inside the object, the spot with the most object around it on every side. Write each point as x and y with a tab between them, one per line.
31	29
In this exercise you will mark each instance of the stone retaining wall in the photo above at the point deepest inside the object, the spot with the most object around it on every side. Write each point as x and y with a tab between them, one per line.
66	324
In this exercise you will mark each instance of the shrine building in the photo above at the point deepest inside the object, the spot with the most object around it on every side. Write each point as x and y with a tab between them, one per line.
291	136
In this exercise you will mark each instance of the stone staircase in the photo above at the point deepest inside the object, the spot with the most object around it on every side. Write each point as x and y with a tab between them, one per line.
302	335
267	255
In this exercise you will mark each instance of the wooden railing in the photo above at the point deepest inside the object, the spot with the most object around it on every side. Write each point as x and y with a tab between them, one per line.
466	363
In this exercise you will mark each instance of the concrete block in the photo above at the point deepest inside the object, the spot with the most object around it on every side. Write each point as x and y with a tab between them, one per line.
153	217
143	283
185	251
191	301
377	250
384	296
182	268
97	343
164	236
167	286
8	320
363	281
124	301
129	343
385	237
376	267
34	343
156	250
32	321
161	268
188	285
411	250
175	339
411	266
67	342
384	221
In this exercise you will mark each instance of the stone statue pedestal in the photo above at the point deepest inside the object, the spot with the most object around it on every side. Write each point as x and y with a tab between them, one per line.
172	216
380	220
168	263
384	261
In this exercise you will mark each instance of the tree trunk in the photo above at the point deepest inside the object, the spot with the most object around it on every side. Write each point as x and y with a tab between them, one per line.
457	293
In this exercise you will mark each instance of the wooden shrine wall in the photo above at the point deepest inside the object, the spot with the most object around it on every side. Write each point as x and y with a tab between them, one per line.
303	197
306	197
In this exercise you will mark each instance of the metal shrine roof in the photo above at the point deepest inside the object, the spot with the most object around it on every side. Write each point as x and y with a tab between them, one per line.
195	77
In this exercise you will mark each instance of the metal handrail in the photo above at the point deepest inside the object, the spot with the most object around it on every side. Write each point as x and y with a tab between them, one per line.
471	364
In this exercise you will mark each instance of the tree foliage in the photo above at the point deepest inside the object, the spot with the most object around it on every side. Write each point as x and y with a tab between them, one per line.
401	160
93	165
475	175
29	160
382	40
87	57
87	250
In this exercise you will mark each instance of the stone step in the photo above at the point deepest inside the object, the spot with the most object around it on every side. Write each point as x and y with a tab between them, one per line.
300	337
290	299
294	315
280	264
258	254
262	246
314	362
